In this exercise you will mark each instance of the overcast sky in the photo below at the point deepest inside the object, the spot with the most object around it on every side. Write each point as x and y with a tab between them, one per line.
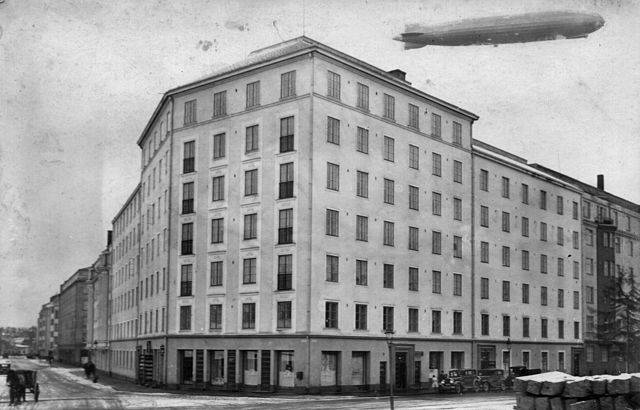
79	80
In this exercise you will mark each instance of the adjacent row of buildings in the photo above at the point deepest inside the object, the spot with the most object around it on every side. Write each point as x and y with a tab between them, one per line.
298	209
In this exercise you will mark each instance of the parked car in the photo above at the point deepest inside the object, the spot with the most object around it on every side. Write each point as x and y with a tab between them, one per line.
5	366
517	371
492	379
459	380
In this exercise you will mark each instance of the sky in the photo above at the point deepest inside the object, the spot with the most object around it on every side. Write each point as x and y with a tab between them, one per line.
80	79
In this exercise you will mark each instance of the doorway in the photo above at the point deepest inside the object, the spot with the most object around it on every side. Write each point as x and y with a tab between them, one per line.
401	370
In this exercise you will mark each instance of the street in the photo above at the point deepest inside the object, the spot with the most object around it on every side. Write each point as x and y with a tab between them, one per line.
66	388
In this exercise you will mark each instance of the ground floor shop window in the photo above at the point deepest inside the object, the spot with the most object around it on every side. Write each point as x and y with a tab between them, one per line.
457	360
216	367
436	360
561	361
487	357
250	367
544	358
185	365
525	358
285	369
359	368
506	360
329	369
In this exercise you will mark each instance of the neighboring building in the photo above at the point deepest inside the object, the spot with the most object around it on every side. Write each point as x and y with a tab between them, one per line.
47	330
72	335
611	244
527	265
97	340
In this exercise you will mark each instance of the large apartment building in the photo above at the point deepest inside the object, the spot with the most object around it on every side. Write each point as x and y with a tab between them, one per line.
47	329
72	335
97	340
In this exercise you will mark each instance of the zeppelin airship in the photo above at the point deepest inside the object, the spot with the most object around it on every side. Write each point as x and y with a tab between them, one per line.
520	28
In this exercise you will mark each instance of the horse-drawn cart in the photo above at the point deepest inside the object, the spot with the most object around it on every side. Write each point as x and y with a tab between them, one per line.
28	382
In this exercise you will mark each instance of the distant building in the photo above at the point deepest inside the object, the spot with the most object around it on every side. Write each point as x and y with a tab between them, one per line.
72	335
47	334
97	341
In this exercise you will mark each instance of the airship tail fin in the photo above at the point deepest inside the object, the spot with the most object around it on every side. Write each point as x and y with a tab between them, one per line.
408	45
408	40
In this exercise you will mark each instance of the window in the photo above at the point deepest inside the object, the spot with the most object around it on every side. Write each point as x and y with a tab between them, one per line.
589	237
506	222
543	263
253	94
560	298
217	189
543	199
457	323
588	266
576	299
362	140
331	315
389	107
457	284
185	317
387	276
362	228
506	291
506	256
361	272
387	318
186	279
362	184
333	85
414	116
388	149
543	295
332	222
560	236
484	216
413	320
484	288
457	172
543	231
457	246
251	141
525	293
575	210
248	315
217	230
560	205
189	157
436	284
524	193
215	317
576	330
333	130
506	325
285	276
216	273
249	271
285	226
457	133
389	191
414	197
436	245
505	187
436	127
288	84
436	317
436	203
576	270
413	238
286	180
560	267
284	315
219	146
361	317
457	209
437	164
525	327
333	176
543	328
413	279
332	268
484	252
484	180
286	134
219	104
363	97
187	198
525	260
251	182
187	239
484	325
250	226
388	233
414	157
524	221
589	294
190	109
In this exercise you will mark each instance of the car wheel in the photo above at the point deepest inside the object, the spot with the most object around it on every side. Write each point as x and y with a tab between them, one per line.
458	388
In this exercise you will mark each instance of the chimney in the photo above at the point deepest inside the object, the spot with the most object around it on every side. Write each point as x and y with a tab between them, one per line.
399	74
601	182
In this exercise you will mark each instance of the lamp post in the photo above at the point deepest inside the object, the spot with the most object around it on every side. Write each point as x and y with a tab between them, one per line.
389	335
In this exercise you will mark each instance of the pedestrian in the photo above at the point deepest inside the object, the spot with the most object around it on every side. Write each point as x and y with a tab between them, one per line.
91	371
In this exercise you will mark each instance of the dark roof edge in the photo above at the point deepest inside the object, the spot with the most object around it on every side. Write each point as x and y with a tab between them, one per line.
498	150
136	189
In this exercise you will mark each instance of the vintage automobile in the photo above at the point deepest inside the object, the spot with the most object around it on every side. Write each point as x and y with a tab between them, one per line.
492	379
5	365
517	371
459	380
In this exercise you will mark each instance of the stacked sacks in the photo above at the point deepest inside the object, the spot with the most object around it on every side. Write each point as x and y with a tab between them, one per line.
560	391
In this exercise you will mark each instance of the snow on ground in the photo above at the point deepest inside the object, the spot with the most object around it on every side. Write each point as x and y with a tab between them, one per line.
67	373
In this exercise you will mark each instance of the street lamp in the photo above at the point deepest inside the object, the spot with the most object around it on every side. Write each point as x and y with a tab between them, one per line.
389	335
